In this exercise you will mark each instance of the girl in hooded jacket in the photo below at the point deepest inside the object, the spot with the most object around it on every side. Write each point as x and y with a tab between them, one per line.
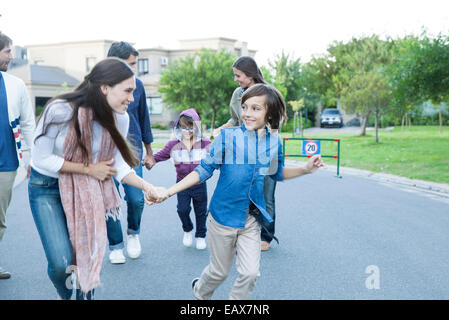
187	150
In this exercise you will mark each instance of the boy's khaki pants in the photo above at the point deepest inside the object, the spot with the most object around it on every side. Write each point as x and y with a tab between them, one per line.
6	184
224	243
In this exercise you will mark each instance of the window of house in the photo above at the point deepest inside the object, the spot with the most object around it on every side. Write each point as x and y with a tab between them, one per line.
24	54
155	105
90	63
142	67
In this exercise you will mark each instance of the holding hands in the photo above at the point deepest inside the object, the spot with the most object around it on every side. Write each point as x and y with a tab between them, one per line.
156	195
148	161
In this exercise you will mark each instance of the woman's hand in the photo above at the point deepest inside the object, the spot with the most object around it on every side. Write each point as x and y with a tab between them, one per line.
156	195
101	170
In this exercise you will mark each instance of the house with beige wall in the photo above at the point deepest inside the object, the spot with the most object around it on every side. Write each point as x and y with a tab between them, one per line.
75	58
67	63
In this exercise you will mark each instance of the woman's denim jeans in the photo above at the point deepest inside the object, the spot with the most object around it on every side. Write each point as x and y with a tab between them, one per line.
269	191
51	223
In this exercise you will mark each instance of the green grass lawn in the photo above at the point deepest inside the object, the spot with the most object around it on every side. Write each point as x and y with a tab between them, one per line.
157	145
419	152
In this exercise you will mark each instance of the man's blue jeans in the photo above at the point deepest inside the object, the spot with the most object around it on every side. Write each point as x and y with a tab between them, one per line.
269	191
51	224
135	202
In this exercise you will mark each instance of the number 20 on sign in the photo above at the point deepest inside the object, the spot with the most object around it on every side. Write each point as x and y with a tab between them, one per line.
310	148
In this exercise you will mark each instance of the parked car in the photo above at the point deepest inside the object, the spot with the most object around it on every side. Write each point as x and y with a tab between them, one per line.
331	118
355	122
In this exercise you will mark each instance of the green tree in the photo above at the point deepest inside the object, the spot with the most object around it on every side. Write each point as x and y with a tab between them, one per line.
362	84
421	71
298	107
403	102
286	77
203	81
317	78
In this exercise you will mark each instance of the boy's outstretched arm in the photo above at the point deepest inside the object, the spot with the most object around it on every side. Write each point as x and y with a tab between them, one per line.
189	181
311	166
162	193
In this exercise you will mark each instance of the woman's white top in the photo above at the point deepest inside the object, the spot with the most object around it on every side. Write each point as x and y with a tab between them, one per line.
46	152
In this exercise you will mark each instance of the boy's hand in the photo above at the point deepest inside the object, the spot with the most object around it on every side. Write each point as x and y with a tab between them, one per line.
314	163
156	195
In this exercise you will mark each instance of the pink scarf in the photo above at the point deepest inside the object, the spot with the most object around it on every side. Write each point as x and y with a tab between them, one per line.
86	202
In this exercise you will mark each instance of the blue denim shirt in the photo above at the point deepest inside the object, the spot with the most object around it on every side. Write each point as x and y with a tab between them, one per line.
244	160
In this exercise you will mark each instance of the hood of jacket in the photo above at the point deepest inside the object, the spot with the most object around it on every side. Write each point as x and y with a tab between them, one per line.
191	113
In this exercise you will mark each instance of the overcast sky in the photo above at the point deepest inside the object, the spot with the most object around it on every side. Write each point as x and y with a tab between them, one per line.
301	28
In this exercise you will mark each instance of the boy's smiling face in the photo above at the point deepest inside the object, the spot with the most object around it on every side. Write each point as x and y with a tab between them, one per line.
254	111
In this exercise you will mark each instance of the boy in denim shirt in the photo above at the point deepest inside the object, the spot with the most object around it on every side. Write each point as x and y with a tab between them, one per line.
245	156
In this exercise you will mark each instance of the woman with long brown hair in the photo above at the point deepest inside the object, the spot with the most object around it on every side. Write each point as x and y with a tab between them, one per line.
79	146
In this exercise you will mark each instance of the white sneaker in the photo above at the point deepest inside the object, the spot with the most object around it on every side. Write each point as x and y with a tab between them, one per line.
188	239
133	246
200	243
116	256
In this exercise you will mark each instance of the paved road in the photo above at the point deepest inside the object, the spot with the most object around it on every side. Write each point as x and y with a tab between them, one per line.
330	231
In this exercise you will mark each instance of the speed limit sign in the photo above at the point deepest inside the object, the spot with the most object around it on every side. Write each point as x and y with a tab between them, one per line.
310	148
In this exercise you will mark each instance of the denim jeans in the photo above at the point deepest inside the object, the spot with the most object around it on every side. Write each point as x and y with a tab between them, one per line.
269	191
135	202
198	196
51	224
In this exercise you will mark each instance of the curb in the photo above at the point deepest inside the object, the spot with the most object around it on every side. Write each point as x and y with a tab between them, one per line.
442	189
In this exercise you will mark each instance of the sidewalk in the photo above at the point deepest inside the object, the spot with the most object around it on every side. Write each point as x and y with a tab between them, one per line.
441	189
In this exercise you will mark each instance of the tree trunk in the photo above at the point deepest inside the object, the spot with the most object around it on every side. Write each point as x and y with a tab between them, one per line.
403	120
441	119
294	125
364	124
212	125
376	124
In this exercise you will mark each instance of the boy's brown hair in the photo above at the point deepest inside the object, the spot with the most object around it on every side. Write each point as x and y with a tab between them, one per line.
276	109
